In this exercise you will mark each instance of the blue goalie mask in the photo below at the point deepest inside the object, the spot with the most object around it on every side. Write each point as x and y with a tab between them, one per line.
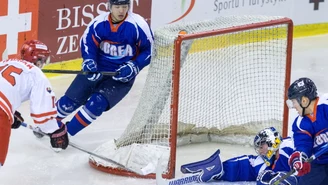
266	143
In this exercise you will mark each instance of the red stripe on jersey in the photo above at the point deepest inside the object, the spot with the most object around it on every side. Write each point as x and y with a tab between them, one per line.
305	132
322	130
5	106
276	159
46	114
43	121
95	41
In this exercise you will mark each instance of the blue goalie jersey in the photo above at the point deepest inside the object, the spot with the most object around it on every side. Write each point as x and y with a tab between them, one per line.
111	45
248	167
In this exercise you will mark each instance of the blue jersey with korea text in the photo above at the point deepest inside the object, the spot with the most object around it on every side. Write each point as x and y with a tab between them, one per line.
311	131
111	45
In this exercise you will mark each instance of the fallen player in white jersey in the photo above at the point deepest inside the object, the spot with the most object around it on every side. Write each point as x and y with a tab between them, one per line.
22	80
266	168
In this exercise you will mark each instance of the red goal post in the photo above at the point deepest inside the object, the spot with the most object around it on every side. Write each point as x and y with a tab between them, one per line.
220	80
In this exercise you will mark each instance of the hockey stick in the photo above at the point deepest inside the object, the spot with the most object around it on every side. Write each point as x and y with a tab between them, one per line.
84	150
107	73
313	157
176	181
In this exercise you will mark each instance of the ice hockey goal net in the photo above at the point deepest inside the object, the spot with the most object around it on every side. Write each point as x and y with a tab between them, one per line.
208	81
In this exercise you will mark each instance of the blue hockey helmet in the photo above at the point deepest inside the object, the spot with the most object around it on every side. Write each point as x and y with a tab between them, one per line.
119	2
273	139
302	87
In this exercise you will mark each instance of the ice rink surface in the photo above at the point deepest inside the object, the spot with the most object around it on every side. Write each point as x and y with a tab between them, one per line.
30	161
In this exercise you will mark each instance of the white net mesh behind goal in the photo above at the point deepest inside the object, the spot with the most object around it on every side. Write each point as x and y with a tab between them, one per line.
231	83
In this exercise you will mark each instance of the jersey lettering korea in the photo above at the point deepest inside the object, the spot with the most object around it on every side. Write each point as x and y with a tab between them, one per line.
21	81
311	131
111	45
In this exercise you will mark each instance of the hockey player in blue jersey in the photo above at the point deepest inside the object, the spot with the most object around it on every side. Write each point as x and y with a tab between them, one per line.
267	167
118	40
310	131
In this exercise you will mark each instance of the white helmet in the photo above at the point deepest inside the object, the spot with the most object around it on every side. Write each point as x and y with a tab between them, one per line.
272	138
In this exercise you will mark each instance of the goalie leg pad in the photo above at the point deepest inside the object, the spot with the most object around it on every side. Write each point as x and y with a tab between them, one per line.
210	168
94	107
239	169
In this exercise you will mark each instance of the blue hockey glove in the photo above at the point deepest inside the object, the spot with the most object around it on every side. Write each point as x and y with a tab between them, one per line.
126	72
91	66
268	177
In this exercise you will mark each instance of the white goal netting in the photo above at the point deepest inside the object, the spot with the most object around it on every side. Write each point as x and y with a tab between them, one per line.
231	85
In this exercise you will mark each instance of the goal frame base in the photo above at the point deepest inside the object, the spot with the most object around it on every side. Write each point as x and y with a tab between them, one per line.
122	172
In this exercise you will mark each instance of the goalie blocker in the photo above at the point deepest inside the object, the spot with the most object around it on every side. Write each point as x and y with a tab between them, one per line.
263	169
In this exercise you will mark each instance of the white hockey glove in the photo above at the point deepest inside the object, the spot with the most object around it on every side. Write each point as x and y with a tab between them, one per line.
91	66
126	72
268	177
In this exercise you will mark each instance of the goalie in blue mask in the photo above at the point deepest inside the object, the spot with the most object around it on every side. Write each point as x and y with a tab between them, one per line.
267	167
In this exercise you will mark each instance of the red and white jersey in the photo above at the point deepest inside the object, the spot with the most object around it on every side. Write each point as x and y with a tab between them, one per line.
21	81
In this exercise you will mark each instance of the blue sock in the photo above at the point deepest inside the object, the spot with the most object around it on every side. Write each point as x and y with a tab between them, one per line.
81	120
94	107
